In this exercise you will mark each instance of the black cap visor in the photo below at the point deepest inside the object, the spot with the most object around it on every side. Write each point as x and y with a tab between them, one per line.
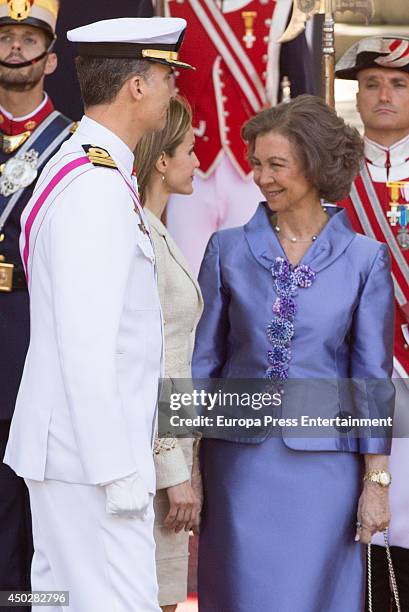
161	54
30	21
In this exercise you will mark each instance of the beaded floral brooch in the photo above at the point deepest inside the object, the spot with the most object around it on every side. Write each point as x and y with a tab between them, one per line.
286	280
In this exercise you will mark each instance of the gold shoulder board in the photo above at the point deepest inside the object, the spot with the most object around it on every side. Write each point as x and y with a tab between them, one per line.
98	156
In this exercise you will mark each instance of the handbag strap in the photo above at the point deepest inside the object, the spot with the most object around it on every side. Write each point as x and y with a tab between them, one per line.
392	576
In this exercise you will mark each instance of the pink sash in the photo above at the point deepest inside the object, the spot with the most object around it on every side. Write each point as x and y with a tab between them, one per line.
27	229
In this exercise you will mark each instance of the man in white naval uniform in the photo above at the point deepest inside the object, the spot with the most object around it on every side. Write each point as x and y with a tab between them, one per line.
85	416
381	66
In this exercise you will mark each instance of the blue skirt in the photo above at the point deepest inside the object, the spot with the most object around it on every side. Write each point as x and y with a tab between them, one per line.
278	530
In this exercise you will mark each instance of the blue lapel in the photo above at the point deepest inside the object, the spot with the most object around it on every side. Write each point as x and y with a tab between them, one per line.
260	237
330	244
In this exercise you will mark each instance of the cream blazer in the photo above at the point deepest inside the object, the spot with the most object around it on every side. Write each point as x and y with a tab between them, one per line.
182	306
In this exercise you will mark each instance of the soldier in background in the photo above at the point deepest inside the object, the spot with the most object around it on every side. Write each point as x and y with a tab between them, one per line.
380	209
234	46
31	130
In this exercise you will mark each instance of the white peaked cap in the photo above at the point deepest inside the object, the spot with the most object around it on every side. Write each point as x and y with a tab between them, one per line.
155	39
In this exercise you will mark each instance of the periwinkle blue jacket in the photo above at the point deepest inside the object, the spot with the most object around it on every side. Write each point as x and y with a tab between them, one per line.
343	325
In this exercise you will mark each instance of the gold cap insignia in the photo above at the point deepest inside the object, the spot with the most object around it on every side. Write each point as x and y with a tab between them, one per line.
38	13
19	9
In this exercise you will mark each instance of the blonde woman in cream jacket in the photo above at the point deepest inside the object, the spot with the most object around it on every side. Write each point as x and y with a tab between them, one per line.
165	163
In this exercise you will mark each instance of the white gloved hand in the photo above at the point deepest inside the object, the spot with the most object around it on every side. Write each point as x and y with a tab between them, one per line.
127	497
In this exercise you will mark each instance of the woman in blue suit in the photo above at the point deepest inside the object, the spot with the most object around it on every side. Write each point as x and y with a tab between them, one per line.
296	294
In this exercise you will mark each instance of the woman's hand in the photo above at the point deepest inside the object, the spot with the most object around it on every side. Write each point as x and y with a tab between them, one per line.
373	511
184	508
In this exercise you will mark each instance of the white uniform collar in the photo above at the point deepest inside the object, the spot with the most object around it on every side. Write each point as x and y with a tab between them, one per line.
93	133
381	156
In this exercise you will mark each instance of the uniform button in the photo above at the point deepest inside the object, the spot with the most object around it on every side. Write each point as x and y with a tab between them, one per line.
176	73
226	128
221	84
205	138
265	39
220	72
265	58
268	22
405	346
226	113
264	75
224	98
227	142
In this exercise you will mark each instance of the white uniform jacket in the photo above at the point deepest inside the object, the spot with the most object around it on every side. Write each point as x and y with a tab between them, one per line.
86	408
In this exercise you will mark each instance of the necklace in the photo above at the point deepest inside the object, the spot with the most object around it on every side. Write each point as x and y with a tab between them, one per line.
296	240
293	239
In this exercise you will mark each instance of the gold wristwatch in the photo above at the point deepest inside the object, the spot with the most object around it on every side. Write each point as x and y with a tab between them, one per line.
380	477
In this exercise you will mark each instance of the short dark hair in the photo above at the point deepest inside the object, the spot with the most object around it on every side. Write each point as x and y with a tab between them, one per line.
330	150
102	78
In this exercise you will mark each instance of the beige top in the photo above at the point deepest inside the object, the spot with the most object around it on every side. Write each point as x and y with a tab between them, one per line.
182	306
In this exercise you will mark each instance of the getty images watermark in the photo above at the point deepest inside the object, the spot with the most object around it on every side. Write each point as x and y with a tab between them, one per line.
201	398
252	407
255	401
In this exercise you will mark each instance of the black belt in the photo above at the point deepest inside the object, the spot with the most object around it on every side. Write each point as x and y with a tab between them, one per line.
19	279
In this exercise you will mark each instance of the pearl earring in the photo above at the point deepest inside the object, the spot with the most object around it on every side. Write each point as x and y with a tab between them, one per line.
163	177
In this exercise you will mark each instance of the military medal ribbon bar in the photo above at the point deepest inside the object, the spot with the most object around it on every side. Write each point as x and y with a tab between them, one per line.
399	212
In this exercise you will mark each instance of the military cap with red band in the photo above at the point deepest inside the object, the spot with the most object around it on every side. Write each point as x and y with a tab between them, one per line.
374	52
